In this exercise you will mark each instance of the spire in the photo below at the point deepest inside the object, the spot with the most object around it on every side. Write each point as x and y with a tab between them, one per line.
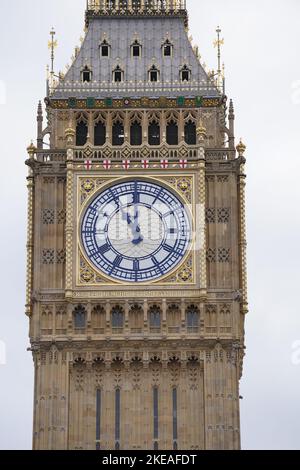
39	126
231	118
100	8
218	43
52	44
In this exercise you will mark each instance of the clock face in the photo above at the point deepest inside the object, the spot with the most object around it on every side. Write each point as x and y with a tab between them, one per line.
136	231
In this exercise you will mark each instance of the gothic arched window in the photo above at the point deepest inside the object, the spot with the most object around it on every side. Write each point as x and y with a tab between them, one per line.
136	49
154	133
105	49
98	320
86	74
136	135
185	74
118	74
99	134
136	319
79	315
173	319
117	317
192	319
155	318
167	49
172	133
190	134
154	74
81	133
118	133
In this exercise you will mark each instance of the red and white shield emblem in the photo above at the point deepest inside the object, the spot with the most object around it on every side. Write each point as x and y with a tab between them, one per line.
126	164
107	164
145	164
88	164
183	163
164	164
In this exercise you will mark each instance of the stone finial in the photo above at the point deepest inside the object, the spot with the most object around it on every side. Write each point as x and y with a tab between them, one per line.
70	134
201	132
241	148
31	149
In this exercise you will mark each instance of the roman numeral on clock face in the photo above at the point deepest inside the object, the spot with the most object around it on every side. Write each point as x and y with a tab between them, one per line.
104	249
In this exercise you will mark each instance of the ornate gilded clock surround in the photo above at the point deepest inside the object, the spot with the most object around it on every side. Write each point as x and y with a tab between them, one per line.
183	185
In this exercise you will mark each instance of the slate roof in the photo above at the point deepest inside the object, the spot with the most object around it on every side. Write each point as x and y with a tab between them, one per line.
120	33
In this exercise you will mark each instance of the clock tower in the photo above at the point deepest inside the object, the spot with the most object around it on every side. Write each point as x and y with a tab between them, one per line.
136	255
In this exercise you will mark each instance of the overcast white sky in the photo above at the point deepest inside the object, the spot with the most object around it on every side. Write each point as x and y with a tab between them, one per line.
263	77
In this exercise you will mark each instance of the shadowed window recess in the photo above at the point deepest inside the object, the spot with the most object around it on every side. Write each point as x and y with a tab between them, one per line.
167	49
155	318
86	74
154	133
81	132
185	74
118	135
105	49
117	317
79	315
118	74
136	49
172	133
190	134
154	74
192	319
136	134
99	134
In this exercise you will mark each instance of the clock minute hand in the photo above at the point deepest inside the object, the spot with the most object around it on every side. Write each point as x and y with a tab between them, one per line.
134	226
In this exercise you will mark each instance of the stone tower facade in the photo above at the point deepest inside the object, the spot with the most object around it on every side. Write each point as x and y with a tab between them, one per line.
136	270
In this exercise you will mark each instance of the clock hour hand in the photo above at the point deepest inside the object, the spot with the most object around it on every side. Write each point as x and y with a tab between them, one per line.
134	226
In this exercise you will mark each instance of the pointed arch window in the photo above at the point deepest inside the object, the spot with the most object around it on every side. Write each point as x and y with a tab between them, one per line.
192	319
136	49
154	133
136	134
155	319
117	318
118	74
172	133
154	74
79	315
118	135
185	74
81	133
99	134
86	75
105	49
167	49
190	133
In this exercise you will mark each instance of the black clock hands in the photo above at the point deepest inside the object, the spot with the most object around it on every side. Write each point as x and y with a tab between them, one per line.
133	224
